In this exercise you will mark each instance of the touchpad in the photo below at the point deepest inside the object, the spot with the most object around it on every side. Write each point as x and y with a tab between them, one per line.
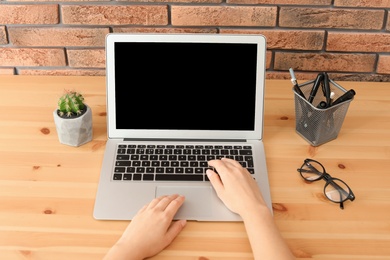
197	204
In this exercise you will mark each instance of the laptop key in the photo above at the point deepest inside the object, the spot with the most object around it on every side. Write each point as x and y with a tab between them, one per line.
199	170
137	177
120	169
179	170
122	157
148	177
117	176
123	163
140	169
188	170
121	151
127	177
249	161
130	169
245	152
130	151
136	163
179	177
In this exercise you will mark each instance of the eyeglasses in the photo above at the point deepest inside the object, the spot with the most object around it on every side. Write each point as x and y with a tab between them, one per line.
335	189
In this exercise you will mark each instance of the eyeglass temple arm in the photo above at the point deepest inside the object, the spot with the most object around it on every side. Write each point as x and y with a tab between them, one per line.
312	169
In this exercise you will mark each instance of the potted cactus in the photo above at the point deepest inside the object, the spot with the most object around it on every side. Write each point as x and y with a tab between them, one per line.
73	119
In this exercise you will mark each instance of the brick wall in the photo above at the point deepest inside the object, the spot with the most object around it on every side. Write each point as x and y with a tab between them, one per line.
348	38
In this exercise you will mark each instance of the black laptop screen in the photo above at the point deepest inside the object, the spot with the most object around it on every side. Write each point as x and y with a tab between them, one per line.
185	86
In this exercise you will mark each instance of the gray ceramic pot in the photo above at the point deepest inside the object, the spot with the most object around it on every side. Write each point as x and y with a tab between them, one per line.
74	131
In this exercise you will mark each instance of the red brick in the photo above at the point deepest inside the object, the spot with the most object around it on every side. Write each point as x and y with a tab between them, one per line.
363	3
177	1
7	71
63	72
332	62
223	16
331	18
384	64
162	30
306	76
268	60
115	15
29	14
287	40
22	36
3	36
32	57
358	42
360	77
87	58
388	24
282	2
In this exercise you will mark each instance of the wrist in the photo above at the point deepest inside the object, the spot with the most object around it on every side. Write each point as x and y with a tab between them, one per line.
123	251
256	212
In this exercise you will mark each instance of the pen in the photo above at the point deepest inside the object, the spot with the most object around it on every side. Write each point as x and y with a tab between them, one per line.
332	94
315	87
295	84
326	89
346	96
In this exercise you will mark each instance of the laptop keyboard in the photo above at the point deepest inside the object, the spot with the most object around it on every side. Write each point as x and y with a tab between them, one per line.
138	162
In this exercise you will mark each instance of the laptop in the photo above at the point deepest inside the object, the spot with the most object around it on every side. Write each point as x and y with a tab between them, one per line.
175	101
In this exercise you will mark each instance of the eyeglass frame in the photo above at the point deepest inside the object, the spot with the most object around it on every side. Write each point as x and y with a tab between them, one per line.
329	180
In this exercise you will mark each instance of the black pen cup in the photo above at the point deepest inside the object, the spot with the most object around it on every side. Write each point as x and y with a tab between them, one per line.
315	124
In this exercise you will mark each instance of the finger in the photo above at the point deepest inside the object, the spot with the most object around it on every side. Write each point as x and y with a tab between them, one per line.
165	201
221	166
155	201
215	181
174	206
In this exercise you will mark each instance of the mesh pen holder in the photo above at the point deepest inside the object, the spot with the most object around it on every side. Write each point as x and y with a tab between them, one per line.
316	125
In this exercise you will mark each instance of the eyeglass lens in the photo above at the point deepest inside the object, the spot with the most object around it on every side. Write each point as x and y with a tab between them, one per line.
336	190
312	170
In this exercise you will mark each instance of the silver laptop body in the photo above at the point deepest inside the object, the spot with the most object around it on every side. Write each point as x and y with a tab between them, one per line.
180	90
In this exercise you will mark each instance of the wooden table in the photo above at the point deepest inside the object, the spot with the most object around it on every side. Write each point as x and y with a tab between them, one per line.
47	189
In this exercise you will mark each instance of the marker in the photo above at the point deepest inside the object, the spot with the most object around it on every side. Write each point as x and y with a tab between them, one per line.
332	94
315	87
326	89
295	84
346	96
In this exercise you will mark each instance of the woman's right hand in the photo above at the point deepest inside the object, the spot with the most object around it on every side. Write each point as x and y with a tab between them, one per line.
235	186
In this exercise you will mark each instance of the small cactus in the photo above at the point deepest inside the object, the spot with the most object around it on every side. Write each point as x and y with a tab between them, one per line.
71	104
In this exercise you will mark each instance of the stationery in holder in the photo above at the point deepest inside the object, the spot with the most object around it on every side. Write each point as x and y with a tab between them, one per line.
319	120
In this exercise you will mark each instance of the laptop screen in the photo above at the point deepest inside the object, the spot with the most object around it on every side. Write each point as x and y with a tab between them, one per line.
185	86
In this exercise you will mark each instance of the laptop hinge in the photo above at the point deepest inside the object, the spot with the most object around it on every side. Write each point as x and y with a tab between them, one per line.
184	140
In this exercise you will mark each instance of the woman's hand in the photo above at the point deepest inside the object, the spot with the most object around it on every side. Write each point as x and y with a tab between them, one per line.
151	230
235	186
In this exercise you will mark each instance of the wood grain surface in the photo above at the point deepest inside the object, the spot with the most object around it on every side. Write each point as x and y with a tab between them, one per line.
47	189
